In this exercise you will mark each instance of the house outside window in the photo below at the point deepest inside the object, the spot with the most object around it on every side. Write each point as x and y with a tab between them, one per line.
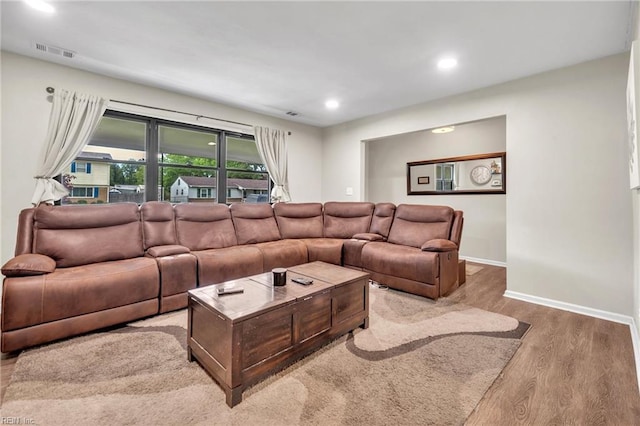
87	181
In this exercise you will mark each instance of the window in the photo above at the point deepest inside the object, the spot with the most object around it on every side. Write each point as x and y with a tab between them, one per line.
206	193
117	152
83	192
444	176
247	177
137	158
80	167
187	155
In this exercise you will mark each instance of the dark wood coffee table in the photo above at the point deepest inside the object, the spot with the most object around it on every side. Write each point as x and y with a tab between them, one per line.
241	338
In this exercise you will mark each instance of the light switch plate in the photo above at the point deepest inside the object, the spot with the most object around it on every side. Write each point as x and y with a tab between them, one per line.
349	190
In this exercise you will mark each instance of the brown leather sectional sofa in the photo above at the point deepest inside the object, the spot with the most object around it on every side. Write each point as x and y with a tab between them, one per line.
81	268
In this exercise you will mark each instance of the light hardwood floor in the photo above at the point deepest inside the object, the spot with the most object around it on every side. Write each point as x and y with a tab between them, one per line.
570	370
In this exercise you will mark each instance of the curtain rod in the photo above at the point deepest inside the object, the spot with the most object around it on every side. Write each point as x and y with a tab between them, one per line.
51	90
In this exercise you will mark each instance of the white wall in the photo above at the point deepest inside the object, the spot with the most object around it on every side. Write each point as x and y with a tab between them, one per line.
485	225
568	210
635	196
25	115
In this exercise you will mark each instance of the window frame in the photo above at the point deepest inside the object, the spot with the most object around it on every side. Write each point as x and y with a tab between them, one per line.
81	167
152	163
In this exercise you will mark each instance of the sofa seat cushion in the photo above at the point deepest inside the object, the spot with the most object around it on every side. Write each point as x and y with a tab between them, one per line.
229	263
401	261
282	254
324	249
79	290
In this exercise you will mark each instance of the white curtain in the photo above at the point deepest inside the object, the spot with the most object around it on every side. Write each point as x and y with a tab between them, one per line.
272	147
74	117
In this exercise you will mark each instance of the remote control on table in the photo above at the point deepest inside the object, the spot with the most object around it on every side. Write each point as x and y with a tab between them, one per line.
229	290
303	281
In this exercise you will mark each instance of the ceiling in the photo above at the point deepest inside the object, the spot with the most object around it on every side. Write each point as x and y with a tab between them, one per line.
275	57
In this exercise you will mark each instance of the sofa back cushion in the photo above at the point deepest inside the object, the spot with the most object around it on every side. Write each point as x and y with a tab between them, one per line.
80	235
382	218
158	224
299	220
254	223
414	224
345	219
202	226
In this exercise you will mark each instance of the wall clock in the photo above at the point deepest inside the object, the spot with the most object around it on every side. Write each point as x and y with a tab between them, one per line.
480	175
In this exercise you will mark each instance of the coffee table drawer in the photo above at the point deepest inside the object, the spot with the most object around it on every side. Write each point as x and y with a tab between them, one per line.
313	315
266	335
350	301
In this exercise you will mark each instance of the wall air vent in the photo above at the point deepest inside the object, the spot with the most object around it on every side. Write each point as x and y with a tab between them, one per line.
55	50
291	113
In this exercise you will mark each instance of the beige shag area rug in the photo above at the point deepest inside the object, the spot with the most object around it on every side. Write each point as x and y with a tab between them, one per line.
419	363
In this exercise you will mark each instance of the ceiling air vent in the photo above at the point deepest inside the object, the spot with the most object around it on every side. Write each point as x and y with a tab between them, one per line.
291	113
55	50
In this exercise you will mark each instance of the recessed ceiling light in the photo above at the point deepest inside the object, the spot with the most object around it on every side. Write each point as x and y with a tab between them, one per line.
444	129
211	143
40	5
447	63
332	104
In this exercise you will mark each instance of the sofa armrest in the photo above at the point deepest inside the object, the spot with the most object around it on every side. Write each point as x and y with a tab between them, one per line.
368	236
28	264
167	250
439	244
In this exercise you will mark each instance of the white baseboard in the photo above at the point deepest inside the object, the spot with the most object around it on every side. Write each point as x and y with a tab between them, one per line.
596	313
484	261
